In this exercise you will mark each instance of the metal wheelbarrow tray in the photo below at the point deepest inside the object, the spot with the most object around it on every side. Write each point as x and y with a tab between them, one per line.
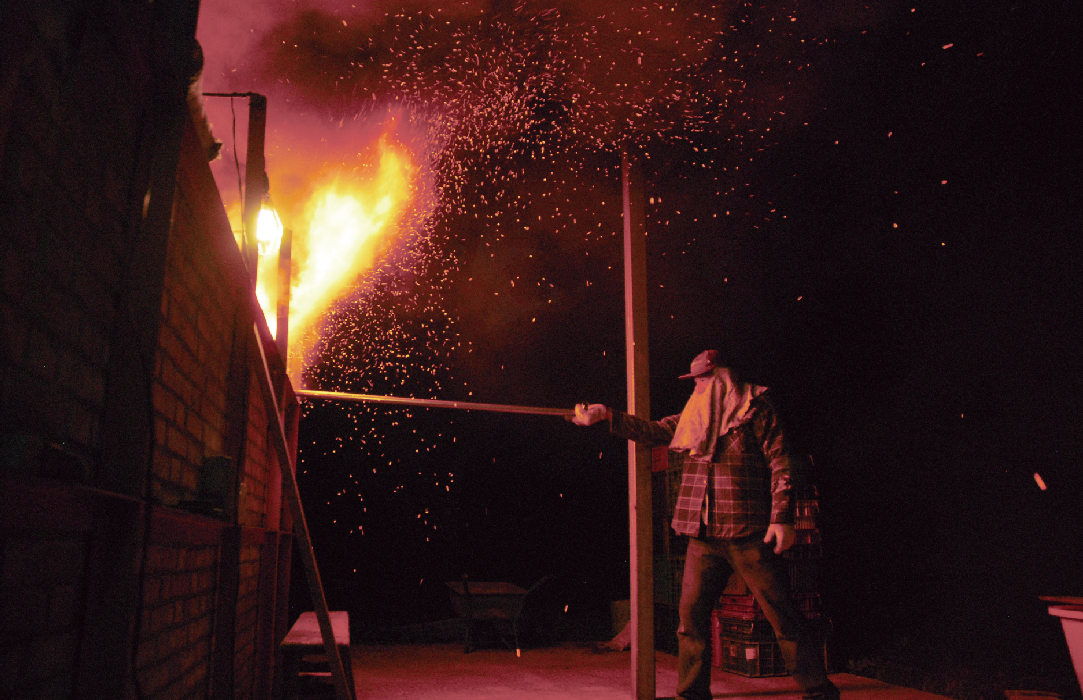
495	602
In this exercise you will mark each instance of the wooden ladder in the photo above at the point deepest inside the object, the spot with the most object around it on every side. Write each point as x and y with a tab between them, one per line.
304	542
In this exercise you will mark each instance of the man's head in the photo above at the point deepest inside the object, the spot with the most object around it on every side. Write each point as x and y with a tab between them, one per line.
703	365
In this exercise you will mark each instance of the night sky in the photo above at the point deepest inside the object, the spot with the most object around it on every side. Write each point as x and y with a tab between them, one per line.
872	208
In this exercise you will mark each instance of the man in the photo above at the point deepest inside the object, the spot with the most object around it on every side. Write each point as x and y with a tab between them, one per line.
736	503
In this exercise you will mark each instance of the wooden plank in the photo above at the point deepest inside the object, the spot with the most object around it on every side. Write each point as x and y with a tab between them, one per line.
306	635
639	457
267	609
225	614
306	631
304	541
282	599
33	503
169	526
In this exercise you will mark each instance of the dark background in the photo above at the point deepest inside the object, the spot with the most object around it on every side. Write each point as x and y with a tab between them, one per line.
900	262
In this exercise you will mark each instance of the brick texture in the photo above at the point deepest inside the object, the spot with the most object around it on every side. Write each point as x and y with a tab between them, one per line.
41	597
247	614
196	343
64	216
80	116
173	655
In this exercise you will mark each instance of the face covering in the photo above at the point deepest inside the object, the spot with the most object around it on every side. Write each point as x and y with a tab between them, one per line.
715	407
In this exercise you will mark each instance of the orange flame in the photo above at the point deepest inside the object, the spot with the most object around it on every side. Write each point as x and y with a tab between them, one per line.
343	220
346	221
268	241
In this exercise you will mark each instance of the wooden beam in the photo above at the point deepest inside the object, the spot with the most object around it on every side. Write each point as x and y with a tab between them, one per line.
224	651
282	607
641	554
255	178
282	312
266	642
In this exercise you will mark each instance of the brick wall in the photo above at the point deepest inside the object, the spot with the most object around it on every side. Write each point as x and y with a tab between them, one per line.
41	593
247	622
66	190
173	659
202	334
259	464
140	512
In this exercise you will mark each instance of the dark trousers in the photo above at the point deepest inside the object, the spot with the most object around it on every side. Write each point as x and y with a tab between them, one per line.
706	571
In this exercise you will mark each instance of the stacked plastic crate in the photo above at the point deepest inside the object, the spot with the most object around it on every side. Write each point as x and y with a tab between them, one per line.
744	642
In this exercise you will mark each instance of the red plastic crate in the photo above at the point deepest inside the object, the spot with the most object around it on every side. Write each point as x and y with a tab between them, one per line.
805	514
745	607
739	607
750	629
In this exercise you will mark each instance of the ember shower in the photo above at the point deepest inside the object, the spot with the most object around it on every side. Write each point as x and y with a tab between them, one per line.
512	115
473	87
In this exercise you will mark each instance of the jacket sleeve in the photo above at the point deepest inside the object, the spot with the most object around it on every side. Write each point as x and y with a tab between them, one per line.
788	470
644	432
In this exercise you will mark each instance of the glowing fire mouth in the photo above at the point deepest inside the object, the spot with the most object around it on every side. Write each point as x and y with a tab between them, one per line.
268	243
343	226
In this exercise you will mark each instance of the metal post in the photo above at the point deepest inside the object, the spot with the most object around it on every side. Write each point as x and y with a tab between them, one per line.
641	545
255	178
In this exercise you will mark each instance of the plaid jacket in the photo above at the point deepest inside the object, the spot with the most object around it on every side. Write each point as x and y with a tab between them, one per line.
751	474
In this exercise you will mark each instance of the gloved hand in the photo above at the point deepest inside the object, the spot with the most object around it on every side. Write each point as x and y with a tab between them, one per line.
589	415
783	535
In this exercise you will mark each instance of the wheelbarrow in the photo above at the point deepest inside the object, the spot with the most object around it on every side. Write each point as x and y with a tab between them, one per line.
495	605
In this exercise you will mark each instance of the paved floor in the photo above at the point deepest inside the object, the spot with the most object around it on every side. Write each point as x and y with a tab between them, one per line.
444	672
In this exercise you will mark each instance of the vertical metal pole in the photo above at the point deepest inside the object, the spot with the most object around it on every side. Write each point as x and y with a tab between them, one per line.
639	458
255	178
282	323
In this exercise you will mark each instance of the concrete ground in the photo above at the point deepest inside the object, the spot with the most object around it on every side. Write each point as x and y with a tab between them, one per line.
444	672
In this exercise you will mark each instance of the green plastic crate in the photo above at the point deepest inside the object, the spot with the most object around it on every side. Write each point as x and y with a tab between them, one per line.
748	657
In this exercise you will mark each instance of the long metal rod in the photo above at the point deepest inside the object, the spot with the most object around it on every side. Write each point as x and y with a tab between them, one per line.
435	403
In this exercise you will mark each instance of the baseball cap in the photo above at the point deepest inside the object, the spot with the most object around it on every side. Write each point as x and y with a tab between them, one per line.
703	364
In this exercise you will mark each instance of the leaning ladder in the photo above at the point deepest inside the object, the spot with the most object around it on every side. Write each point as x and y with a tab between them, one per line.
300	526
